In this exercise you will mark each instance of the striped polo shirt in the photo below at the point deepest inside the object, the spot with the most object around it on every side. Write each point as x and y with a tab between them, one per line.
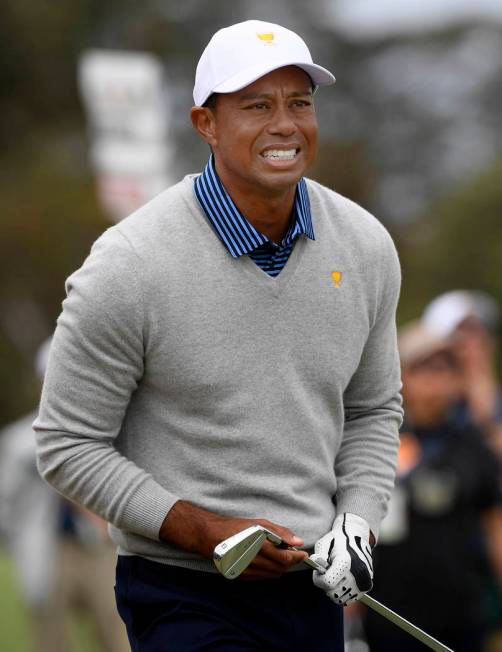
238	235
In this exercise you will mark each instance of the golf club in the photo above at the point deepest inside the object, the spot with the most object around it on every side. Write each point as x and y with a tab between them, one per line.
233	555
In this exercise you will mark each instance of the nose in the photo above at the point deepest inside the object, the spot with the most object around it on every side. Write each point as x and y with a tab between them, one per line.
281	122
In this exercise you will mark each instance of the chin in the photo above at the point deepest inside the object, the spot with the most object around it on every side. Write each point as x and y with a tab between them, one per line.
281	180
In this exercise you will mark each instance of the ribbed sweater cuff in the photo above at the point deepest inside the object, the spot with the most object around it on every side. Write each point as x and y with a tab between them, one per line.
146	509
363	504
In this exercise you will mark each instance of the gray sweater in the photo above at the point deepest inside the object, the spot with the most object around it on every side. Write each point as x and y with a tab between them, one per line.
179	372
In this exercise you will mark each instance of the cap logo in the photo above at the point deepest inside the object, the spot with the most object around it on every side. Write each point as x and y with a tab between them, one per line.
266	37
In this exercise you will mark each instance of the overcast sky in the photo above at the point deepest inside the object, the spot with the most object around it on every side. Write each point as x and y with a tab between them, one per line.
375	18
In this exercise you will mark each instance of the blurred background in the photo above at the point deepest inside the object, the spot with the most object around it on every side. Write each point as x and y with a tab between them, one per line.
411	130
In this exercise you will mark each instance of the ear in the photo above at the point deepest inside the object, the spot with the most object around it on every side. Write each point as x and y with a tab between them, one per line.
204	122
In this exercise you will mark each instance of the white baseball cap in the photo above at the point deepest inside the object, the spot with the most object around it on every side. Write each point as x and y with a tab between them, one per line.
417	343
238	55
446	312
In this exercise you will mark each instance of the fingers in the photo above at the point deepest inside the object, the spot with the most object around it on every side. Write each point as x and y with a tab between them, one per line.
338	571
339	584
273	561
279	557
347	551
283	556
286	535
345	592
345	602
324	547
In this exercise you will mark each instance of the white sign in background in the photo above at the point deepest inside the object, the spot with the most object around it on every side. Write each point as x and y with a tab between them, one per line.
125	97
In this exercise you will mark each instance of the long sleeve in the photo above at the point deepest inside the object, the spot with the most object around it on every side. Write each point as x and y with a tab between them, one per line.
95	365
173	363
366	460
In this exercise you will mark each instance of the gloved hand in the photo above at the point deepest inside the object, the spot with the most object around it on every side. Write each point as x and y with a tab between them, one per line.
347	552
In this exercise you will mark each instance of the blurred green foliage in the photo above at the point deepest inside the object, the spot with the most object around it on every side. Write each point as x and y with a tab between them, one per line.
457	244
13	618
49	220
49	215
48	212
15	623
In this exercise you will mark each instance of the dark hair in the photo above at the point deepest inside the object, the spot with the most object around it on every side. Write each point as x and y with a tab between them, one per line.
210	103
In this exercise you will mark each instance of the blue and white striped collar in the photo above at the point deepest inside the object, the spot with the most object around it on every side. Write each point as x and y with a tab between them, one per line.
240	236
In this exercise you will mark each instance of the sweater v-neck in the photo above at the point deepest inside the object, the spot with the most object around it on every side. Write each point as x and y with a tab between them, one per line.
245	264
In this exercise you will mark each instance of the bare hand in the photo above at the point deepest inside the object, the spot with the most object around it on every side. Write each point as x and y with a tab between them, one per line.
475	353
197	530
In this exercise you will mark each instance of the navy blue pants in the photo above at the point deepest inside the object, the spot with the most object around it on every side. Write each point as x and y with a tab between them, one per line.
170	609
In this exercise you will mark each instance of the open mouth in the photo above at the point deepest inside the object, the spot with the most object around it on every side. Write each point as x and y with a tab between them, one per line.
281	154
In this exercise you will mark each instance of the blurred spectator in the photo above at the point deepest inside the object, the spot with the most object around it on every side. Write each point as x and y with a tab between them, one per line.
470	318
443	532
62	556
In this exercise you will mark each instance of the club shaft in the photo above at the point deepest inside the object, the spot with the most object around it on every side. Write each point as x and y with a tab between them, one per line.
320	566
395	618
401	622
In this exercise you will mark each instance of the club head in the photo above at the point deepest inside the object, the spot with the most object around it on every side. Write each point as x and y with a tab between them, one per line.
233	555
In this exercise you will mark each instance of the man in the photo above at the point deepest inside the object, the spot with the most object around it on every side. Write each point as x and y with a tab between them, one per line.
471	319
443	533
227	356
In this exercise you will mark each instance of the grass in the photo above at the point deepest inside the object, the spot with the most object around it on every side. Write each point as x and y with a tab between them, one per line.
14	619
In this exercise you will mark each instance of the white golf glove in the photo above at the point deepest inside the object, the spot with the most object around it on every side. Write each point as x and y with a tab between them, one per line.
347	552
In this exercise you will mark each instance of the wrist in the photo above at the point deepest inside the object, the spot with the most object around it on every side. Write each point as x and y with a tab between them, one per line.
355	523
185	525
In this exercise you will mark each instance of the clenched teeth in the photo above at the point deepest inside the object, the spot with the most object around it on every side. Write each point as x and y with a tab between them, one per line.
283	154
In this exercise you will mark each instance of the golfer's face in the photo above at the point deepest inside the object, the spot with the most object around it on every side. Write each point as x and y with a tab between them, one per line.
266	133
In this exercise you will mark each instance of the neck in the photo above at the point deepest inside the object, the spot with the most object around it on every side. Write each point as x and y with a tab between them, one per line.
269	212
271	218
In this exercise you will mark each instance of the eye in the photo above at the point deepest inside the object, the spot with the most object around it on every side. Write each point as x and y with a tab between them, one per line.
301	104
257	105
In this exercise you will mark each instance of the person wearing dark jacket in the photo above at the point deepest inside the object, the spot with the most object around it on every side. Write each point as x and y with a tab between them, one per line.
443	532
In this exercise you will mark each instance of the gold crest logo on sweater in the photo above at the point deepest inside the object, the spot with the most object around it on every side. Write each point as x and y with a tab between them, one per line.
266	37
336	277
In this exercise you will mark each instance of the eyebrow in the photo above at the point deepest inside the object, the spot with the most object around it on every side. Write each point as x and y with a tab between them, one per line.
270	96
